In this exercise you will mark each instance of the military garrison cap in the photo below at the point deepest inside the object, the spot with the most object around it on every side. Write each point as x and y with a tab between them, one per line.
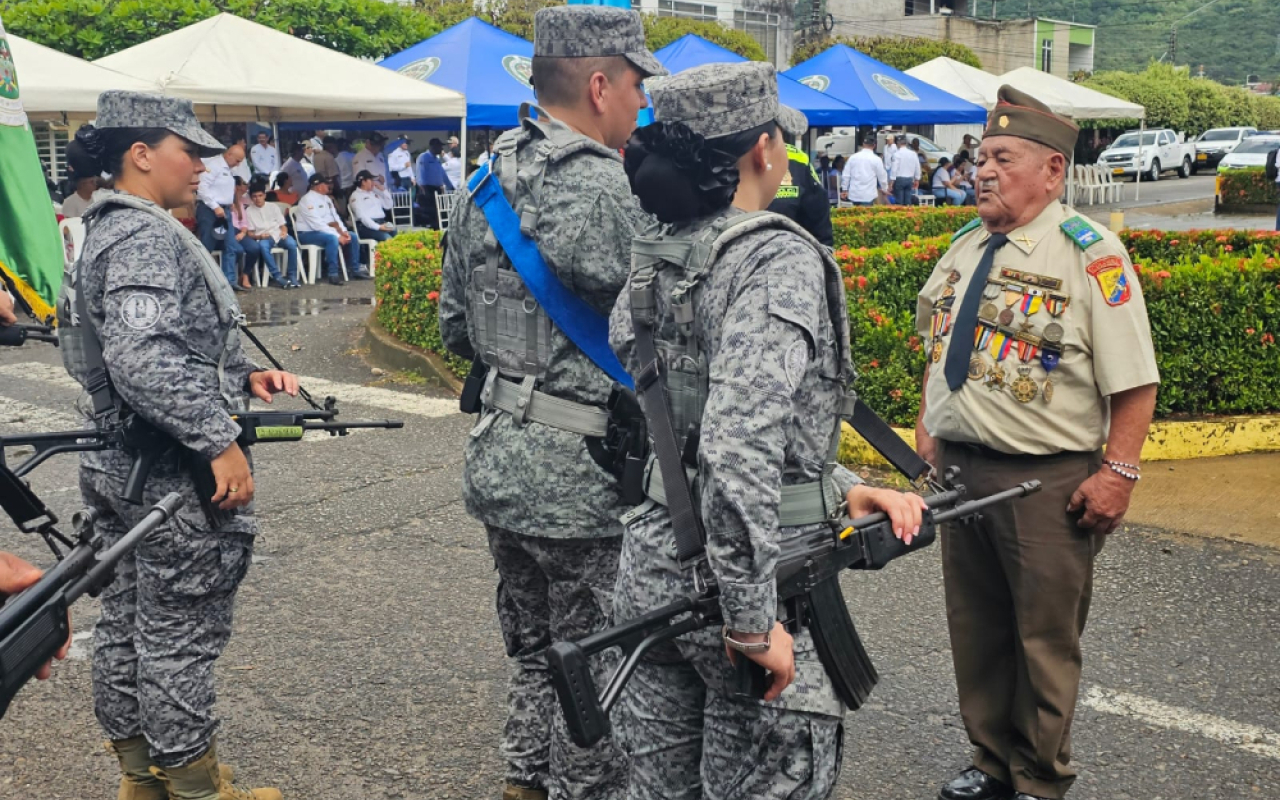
592	31
1019	114
139	110
721	99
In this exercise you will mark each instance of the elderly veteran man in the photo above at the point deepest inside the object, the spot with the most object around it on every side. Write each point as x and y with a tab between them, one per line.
1040	354
551	514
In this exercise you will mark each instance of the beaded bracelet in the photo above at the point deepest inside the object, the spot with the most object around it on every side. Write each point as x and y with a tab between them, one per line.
1133	467
1122	472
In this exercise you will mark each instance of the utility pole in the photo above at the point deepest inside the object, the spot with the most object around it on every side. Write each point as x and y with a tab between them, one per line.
1173	45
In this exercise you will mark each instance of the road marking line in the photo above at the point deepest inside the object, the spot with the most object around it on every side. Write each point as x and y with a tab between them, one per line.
373	396
1251	738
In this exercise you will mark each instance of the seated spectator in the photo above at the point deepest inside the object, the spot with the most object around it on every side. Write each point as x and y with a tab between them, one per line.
963	173
267	230
240	226
367	207
944	186
297	173
319	224
283	192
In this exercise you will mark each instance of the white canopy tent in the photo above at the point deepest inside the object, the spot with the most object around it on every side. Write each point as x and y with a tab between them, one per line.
1081	102
239	71
57	87
970	83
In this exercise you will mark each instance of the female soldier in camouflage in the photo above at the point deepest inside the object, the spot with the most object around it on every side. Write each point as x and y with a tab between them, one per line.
760	365
166	322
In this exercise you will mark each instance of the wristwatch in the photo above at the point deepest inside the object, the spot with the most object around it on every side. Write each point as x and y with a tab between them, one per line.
748	648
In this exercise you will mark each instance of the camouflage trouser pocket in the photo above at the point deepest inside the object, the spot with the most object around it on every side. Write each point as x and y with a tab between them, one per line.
508	620
793	756
183	564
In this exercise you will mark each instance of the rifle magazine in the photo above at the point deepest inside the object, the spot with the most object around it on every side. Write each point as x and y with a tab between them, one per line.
839	647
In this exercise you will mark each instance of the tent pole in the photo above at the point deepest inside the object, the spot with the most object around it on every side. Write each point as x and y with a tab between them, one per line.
1137	189
462	151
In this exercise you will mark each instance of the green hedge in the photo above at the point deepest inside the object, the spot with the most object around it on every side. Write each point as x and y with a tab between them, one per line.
1246	187
873	226
1213	299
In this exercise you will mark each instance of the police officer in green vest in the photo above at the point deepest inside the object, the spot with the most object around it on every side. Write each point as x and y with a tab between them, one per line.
802	198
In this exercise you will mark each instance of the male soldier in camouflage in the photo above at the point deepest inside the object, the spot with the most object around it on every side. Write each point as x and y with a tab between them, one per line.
550	512
766	342
166	324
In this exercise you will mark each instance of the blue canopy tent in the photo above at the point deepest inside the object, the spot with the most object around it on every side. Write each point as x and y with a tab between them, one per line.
882	94
693	51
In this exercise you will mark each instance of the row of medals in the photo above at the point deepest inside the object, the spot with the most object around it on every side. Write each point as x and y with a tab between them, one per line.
1022	293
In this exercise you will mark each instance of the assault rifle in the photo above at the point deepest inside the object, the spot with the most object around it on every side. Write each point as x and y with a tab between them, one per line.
34	623
809	596
17	335
134	435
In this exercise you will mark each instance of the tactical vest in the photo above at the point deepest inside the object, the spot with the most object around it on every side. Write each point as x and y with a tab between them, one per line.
512	330
683	359
82	348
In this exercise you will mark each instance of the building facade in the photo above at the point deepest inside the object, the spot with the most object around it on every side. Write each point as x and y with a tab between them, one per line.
1053	46
770	22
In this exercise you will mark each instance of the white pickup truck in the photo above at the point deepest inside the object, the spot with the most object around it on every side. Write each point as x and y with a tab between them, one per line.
1161	151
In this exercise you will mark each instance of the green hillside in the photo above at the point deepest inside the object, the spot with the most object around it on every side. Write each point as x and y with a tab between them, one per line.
1230	38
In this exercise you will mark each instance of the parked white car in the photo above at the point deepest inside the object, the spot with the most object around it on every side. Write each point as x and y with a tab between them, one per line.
1161	151
1252	152
1214	145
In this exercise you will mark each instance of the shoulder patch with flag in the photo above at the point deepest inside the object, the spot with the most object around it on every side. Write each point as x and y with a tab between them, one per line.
1109	272
1081	232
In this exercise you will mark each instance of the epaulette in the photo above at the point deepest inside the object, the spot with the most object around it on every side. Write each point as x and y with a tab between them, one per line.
1081	232
973	223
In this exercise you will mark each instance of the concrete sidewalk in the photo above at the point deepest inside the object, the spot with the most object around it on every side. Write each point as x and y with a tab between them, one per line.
1233	498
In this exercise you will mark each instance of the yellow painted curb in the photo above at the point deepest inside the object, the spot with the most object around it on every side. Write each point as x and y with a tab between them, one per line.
1167	441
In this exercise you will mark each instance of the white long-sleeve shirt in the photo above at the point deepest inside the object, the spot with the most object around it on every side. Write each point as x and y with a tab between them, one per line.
368	208
863	176
346	175
366	159
400	161
906	164
217	183
890	150
315	212
265	158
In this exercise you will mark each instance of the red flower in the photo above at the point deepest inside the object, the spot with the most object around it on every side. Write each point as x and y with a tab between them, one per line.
1164	273
908	244
406	295
1173	241
875	363
1268	339
1228	248
896	394
1249	331
862	281
433	296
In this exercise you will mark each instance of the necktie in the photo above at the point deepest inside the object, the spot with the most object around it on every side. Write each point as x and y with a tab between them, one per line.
957	367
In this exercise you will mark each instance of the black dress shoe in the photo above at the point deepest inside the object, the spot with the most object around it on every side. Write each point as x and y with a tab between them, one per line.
235	287
974	784
360	276
336	280
1025	796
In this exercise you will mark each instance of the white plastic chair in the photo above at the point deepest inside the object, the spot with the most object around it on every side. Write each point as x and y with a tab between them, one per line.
310	256
926	200
445	201
371	244
402	210
1113	190
72	237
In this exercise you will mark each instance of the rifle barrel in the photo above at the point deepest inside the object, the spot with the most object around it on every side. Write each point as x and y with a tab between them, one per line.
340	426
967	508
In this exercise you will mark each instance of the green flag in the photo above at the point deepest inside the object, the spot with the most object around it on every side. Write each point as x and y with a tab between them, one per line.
31	254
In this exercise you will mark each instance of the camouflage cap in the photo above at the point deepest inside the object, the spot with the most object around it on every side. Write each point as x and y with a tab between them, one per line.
721	99
1019	114
138	110
593	31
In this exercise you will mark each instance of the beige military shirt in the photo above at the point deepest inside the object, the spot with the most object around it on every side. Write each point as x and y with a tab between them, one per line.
1061	326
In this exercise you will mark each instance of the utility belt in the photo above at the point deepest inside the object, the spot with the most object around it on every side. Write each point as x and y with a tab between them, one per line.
486	389
800	504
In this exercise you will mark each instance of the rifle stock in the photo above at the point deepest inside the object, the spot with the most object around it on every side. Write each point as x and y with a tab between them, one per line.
809	596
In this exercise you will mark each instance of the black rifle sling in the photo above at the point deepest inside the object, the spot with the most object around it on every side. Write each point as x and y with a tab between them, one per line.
97	380
880	436
686	522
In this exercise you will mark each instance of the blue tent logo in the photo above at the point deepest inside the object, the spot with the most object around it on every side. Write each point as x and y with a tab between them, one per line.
421	69
520	68
819	82
895	88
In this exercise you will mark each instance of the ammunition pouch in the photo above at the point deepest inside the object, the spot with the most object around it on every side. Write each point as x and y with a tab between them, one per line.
624	449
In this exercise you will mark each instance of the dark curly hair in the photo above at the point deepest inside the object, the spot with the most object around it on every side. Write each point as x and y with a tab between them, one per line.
679	175
102	149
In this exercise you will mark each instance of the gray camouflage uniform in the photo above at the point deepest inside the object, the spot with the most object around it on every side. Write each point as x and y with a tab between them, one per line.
167	616
761	317
550	511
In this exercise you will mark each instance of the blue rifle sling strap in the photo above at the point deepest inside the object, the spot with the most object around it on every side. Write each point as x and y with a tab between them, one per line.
577	320
686	522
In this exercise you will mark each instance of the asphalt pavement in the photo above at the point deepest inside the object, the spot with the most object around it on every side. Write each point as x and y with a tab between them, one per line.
367	663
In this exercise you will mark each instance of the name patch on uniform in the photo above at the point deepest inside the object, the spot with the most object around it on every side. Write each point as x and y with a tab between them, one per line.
1112	280
787	192
140	311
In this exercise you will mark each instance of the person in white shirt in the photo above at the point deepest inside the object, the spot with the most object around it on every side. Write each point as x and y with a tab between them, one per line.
453	167
945	188
76	203
366	204
265	157
243	170
400	162
318	223
293	167
267	230
370	159
890	150
906	175
864	179
213	210
346	169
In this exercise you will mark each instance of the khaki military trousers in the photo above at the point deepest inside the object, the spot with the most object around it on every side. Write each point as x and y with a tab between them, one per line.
1018	586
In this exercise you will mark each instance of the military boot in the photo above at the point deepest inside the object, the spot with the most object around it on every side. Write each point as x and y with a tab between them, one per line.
515	791
136	780
203	779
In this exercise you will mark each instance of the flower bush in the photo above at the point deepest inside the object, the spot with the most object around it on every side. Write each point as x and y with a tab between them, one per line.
873	226
1213	298
1246	187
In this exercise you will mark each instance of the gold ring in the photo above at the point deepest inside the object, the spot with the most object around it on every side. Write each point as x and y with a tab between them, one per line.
233	490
